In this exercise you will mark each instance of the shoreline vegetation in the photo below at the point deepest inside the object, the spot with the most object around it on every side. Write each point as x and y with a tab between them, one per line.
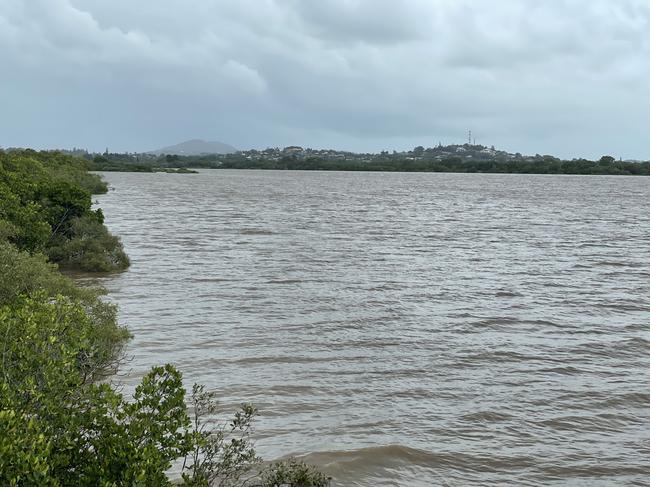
470	159
117	166
62	423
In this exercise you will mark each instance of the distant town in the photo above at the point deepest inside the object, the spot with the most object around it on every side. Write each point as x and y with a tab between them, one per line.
468	157
420	153
220	152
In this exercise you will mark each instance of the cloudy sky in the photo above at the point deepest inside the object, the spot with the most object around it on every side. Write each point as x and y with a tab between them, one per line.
563	77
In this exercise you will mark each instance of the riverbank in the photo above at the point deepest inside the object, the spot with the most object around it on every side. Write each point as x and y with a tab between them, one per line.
61	422
103	164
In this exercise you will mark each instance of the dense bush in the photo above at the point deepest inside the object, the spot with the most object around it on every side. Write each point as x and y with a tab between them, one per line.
89	246
22	274
293	472
45	206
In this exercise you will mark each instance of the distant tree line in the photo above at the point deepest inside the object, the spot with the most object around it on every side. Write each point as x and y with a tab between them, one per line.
606	165
547	165
126	163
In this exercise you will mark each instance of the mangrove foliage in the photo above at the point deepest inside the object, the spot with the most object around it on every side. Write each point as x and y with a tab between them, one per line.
62	423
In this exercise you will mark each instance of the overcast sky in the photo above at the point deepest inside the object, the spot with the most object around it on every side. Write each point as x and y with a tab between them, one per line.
563	77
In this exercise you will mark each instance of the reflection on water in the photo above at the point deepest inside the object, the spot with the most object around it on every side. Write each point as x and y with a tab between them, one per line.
403	329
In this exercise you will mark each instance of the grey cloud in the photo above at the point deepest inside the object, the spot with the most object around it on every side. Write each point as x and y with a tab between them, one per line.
540	75
378	22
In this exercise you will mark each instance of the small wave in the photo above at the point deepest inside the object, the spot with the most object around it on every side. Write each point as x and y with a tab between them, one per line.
285	281
388	455
629	400
209	279
625	307
568	370
598	423
278	359
611	263
400	465
486	417
256	231
508	294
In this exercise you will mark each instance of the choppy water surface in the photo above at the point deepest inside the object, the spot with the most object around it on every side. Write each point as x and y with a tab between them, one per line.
403	329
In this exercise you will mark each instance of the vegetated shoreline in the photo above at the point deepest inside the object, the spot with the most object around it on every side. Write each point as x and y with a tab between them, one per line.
60	422
145	168
605	166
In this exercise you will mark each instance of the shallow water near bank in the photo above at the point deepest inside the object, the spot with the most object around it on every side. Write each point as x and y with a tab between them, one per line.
402	329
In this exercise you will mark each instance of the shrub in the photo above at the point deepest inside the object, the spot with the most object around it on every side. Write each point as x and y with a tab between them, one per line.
45	206
293	472
57	428
222	455
90	247
23	275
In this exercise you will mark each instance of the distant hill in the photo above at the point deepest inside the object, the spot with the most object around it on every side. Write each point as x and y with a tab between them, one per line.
196	147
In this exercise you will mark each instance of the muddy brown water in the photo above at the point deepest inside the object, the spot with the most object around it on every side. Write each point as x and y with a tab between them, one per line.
402	329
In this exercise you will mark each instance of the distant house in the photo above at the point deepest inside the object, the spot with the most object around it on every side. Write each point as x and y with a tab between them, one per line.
293	149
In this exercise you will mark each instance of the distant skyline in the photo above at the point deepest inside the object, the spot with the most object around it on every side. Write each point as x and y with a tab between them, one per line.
561	77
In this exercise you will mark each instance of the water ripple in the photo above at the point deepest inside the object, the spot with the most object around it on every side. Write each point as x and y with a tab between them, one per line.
403	329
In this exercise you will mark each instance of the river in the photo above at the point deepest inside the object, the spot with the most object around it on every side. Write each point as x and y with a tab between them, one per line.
402	329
